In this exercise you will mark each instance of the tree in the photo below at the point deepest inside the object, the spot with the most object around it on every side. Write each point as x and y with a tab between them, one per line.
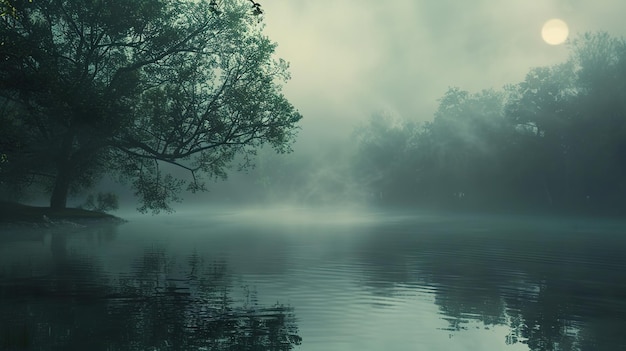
467	136
600	120
124	87
384	162
541	111
553	142
7	9
572	121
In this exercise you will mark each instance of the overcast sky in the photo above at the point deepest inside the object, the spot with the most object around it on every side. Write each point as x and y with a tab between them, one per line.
350	59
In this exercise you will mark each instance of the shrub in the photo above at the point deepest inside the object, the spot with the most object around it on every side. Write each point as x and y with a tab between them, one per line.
102	202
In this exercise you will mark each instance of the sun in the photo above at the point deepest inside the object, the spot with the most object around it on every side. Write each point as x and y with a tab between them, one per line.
555	31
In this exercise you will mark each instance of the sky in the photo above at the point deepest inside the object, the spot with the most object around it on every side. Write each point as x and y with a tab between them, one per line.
351	59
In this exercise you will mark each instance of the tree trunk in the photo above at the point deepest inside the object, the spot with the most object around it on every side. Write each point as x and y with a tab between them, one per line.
58	199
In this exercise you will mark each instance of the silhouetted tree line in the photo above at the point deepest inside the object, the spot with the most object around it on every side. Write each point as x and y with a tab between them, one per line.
553	142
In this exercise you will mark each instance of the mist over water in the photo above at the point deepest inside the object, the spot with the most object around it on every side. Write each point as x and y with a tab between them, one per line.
434	176
353	279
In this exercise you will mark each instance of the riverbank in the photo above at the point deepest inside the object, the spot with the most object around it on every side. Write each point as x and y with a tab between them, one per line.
12	213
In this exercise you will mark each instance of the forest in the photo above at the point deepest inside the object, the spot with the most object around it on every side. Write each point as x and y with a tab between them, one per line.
553	143
81	103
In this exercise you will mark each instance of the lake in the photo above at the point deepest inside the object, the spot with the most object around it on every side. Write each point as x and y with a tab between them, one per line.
298	279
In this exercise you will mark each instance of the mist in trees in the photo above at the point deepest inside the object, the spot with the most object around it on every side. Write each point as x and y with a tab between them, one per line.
166	97
125	88
554	142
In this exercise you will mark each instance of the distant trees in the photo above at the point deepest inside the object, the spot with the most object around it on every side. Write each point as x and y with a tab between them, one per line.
466	143
124	87
578	114
385	160
555	141
102	202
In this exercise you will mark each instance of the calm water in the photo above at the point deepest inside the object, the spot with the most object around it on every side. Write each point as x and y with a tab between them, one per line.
328	280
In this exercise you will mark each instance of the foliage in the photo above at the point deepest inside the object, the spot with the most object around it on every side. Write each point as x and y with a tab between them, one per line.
102	202
554	142
7	9
385	160
129	87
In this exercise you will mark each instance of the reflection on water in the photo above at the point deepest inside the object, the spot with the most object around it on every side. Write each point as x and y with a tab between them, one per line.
234	281
555	286
71	302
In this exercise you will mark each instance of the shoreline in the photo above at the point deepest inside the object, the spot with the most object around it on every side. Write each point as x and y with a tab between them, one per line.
14	214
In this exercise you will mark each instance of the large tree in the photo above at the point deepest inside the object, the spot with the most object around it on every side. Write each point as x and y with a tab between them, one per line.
572	119
126	86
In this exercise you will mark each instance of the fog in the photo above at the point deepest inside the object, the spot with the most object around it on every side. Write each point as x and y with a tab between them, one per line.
370	77
357	61
341	175
352	60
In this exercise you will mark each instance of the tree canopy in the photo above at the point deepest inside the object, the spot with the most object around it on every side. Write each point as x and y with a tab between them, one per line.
555	141
124	87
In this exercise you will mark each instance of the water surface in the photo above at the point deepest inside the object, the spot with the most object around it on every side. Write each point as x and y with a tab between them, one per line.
316	280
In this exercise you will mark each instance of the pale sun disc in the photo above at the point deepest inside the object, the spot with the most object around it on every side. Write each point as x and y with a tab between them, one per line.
555	31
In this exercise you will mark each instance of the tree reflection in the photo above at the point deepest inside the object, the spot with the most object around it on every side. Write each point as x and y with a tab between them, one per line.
161	304
555	288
